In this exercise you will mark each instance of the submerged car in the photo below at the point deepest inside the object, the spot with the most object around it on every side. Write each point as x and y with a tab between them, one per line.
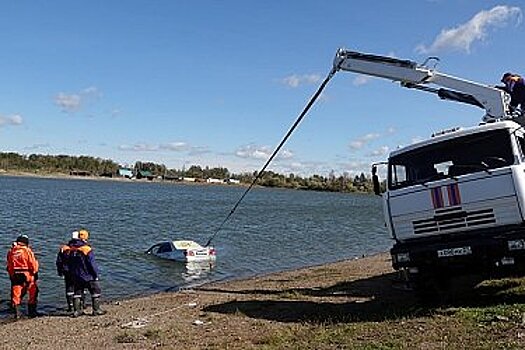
183	251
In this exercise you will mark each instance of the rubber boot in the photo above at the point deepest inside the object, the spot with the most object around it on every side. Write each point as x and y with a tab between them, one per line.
83	300
77	308
31	310
69	299
17	312
97	311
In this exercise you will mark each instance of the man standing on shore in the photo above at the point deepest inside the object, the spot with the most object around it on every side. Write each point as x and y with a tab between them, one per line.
84	273
63	270
22	267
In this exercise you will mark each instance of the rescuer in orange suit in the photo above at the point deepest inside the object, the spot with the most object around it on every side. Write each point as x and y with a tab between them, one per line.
22	267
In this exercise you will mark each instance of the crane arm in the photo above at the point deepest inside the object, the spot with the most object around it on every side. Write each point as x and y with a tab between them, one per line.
409	74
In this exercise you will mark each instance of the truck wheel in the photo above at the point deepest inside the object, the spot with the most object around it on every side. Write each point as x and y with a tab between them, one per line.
431	289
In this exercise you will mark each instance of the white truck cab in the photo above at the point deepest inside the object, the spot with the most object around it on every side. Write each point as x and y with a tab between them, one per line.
455	202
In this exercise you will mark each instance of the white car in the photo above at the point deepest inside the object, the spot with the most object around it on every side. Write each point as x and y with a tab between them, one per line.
184	251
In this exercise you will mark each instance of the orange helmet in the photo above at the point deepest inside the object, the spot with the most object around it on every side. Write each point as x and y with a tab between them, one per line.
83	235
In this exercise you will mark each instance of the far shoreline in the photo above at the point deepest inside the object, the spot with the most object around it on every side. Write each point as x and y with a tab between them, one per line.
62	176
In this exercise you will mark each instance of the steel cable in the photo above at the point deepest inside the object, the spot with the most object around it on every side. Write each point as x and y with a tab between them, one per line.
277	149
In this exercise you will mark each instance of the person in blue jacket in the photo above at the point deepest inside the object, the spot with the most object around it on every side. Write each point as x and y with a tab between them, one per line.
84	273
63	270
515	86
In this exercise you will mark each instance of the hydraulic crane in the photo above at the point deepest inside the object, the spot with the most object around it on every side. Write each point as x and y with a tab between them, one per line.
409	74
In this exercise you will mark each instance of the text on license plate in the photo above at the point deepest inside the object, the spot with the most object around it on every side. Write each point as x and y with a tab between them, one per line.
454	252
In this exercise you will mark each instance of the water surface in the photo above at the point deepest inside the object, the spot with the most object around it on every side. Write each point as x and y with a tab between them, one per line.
272	230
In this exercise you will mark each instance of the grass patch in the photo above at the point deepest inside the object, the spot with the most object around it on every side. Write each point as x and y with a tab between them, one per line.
494	327
499	313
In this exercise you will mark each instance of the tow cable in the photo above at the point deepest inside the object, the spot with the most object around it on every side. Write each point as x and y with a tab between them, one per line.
277	149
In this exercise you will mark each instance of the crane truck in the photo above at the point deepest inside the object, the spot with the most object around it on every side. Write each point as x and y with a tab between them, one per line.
454	203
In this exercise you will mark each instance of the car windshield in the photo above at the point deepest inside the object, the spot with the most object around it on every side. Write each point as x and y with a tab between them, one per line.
451	158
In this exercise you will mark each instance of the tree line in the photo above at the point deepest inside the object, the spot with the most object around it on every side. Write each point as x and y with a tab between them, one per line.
65	164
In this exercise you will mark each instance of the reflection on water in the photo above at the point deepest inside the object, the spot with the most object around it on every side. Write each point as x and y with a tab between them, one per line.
197	270
272	230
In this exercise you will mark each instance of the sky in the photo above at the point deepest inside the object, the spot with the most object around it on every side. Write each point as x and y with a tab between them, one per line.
219	83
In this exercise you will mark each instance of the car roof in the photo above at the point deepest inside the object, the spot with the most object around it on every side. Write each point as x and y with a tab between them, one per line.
185	244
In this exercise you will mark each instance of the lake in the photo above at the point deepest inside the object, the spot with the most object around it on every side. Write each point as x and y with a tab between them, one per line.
272	230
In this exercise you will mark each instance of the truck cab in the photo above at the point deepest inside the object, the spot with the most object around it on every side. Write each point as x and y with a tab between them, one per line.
455	202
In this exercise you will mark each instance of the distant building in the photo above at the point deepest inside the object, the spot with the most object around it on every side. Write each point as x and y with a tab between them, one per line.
172	178
232	181
189	179
125	172
212	180
144	174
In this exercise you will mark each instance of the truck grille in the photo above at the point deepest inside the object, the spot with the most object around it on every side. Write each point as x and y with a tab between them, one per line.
453	219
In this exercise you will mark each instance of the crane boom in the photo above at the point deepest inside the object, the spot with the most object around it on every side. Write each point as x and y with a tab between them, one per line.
409	74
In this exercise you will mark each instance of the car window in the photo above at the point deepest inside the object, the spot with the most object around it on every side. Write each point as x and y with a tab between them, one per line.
164	248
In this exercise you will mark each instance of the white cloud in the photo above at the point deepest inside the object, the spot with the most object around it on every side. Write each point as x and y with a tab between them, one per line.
68	103
71	103
363	140
139	147
175	146
252	151
261	152
178	146
12	120
463	36
295	80
198	150
381	151
361	80
285	154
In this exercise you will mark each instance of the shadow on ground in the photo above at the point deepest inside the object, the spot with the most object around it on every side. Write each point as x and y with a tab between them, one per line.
375	299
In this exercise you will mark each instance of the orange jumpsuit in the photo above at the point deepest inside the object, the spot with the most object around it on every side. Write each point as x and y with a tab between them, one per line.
22	267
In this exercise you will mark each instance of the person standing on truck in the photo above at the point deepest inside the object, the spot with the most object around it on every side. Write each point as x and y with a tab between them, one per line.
22	267
515	86
84	273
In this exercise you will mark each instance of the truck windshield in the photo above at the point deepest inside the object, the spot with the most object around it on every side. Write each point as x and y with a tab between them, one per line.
451	158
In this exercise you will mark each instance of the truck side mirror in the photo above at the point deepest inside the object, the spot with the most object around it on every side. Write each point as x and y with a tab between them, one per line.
375	181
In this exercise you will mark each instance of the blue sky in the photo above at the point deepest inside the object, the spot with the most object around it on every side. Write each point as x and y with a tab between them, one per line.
218	83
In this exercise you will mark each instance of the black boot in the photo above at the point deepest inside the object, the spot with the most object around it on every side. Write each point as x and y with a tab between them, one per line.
77	308
97	311
31	309
69	299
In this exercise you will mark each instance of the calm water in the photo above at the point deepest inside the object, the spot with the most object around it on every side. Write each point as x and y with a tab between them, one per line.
271	230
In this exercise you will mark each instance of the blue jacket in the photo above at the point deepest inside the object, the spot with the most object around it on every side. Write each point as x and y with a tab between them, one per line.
516	89
62	257
81	261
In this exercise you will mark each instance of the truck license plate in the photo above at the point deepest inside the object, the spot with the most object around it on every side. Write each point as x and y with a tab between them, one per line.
443	253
